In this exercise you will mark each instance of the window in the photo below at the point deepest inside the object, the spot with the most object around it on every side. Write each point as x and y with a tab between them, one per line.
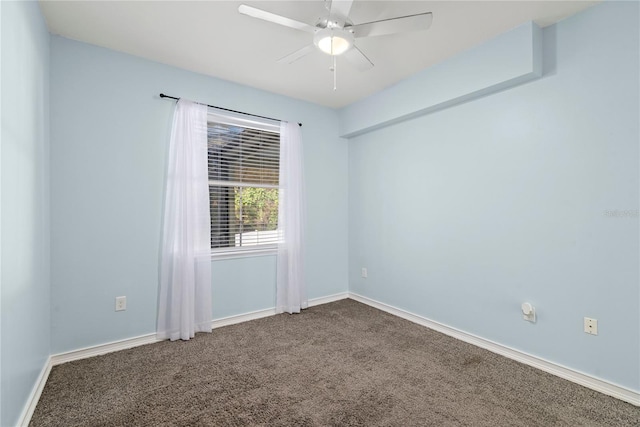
244	158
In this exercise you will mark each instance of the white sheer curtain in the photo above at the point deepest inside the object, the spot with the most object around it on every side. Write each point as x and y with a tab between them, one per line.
185	265
291	295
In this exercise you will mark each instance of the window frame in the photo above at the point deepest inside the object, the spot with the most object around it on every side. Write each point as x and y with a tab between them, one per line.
238	120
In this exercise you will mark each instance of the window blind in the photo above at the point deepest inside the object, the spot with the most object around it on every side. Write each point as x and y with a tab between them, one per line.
244	160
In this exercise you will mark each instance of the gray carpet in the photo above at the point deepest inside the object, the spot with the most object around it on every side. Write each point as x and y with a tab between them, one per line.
338	364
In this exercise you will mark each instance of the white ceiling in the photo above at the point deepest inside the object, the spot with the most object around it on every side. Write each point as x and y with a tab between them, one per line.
211	37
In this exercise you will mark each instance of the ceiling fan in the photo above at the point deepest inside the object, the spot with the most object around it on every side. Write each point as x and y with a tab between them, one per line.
335	34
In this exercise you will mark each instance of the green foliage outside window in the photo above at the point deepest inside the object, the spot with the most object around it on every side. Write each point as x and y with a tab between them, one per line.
257	208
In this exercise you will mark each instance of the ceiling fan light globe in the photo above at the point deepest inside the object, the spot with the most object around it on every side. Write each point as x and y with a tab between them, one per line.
333	45
333	41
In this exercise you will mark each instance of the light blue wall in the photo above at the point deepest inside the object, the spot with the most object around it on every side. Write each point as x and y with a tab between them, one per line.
246	276
462	215
109	137
507	60
24	202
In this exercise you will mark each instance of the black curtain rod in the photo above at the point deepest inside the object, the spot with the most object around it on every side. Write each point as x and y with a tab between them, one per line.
162	95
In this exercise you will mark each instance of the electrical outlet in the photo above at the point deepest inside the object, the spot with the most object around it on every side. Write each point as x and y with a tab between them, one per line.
364	272
121	303
591	326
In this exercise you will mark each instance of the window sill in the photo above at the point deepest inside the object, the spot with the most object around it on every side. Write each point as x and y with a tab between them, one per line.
220	255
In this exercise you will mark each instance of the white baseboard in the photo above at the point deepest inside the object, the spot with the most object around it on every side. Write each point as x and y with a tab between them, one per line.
239	318
577	377
100	349
34	396
330	298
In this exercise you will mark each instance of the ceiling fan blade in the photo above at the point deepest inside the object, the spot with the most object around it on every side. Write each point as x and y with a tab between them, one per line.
292	57
341	8
403	24
276	19
358	59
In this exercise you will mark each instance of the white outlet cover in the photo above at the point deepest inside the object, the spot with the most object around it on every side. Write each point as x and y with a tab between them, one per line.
121	303
591	326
